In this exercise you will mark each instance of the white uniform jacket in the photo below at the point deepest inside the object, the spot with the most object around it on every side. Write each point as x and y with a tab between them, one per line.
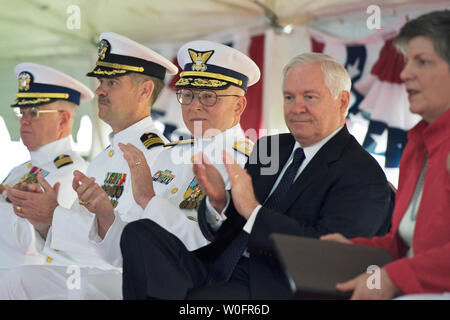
177	195
67	240
56	161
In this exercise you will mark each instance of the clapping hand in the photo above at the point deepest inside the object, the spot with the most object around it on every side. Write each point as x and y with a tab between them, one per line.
141	176
94	199
213	185
210	181
35	204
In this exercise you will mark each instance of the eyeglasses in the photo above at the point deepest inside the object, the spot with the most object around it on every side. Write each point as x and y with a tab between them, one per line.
206	98
31	113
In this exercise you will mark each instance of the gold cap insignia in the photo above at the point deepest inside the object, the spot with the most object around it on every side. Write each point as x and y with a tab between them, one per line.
24	81
103	47
199	59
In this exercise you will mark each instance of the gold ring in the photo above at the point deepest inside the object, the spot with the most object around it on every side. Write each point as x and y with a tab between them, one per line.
19	209
83	203
137	163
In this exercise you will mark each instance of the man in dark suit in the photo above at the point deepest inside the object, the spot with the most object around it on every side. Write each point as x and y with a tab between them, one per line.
318	180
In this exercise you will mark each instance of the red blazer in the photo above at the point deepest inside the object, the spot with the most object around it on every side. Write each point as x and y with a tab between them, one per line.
429	269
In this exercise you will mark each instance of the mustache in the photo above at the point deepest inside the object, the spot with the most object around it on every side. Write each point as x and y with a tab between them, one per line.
104	100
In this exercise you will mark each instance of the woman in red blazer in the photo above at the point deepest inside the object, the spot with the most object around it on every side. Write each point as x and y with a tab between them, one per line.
419	240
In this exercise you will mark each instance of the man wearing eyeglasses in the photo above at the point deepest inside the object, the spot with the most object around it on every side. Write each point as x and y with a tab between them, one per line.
130	78
211	110
324	181
212	102
45	106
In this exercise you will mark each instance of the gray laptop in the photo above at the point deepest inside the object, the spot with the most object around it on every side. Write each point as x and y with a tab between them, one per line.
313	267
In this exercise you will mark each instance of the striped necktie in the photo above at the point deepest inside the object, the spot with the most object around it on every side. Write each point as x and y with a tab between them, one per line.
286	181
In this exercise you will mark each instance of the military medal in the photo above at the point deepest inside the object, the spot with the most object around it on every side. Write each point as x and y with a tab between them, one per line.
114	202
164	177
193	196
31	176
113	186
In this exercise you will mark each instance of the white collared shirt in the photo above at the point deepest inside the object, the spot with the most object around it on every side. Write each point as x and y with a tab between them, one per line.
173	184
71	228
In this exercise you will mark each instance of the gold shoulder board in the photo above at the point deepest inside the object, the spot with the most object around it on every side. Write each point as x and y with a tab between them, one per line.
62	160
151	140
244	147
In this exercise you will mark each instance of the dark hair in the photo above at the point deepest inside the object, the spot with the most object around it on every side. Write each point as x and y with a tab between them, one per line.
435	26
138	78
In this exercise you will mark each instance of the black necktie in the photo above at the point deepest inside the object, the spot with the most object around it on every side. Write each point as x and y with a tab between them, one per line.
286	181
223	267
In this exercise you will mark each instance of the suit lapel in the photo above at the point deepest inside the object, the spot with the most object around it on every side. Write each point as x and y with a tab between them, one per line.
317	168
315	171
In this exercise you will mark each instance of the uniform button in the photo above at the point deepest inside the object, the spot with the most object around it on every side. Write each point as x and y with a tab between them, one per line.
111	153
56	250
49	259
192	159
29	165
217	218
174	190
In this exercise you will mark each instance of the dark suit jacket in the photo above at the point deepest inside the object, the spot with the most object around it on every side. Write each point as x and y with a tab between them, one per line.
342	189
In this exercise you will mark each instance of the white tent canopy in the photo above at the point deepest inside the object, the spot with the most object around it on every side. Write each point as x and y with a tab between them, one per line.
35	28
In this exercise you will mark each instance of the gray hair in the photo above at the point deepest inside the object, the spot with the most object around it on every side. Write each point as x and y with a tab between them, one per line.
434	26
68	106
138	78
335	76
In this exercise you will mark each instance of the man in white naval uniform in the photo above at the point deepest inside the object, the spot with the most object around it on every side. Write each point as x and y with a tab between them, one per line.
177	193
212	114
131	76
45	105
